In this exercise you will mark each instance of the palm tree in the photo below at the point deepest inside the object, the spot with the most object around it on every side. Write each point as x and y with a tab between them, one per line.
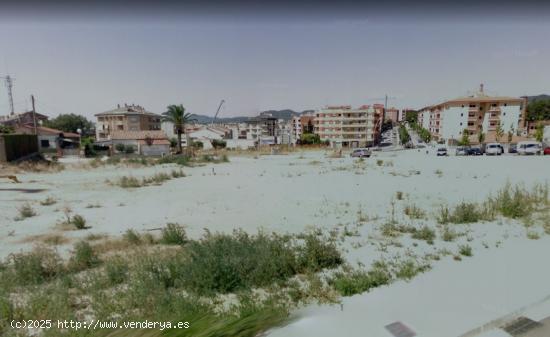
177	115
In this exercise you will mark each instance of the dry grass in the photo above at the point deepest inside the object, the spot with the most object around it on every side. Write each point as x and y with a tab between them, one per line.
52	239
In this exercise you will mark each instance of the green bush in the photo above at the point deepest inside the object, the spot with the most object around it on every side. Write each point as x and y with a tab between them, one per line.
129	149
132	237
35	267
466	212
120	147
425	233
25	211
116	271
78	222
182	160
173	234
360	281
218	143
318	253
465	250
83	257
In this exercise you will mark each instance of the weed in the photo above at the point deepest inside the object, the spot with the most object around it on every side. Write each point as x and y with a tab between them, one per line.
25	211
448	234
379	162
78	222
465	250
35	267
132	237
48	201
173	234
532	235
414	212
360	281
128	182
408	269
425	233
83	257
399	195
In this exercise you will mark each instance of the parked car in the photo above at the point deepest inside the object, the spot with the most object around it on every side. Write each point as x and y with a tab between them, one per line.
475	151
513	148
461	151
494	149
442	151
361	153
529	147
547	151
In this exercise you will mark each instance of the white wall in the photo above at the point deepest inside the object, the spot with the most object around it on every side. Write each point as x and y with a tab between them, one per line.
453	121
509	117
426	120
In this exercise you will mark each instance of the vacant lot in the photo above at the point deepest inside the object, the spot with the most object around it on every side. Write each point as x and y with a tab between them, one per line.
443	214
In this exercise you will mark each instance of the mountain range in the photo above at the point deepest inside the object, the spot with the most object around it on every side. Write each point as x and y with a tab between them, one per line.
285	114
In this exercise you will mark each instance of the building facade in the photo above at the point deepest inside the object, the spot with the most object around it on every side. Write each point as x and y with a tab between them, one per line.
126	118
302	124
348	127
477	113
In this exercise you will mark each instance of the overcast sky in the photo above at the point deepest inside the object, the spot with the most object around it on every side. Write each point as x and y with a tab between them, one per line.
89	64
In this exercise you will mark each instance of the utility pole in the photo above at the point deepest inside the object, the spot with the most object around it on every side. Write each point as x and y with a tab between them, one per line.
34	115
9	85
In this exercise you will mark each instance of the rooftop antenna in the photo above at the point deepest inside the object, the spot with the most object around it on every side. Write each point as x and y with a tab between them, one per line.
9	85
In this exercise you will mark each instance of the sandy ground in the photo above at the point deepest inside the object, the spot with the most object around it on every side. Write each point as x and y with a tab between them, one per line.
290	193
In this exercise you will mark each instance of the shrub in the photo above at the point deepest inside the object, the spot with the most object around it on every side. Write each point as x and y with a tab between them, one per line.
465	212
218	143
465	250
120	147
35	267
129	149
409	269
25	211
116	271
448	234
132	237
425	233
83	257
360	281
399	195
318	253
129	182
182	160
414	212
173	234
48	201
78	222
516	202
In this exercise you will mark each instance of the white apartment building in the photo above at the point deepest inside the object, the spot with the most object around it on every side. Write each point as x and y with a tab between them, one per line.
347	127
478	113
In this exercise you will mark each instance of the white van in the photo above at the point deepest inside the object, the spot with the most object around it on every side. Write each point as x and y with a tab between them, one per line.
529	147
494	149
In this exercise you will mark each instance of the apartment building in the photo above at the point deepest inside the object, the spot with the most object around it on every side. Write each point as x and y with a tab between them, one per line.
476	113
126	118
348	127
392	114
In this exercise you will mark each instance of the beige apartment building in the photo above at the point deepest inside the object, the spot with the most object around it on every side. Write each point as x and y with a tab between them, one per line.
347	127
126	118
477	113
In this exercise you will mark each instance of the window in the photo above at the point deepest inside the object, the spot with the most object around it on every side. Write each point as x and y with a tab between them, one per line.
120	127
44	143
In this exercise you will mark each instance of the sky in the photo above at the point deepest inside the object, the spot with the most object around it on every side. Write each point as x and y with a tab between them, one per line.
86	62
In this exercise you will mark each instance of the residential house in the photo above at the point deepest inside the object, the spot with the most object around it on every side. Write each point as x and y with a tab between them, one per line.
48	138
125	118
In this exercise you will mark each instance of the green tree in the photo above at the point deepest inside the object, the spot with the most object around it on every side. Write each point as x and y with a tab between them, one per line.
411	116
6	129
71	123
404	135
510	134
309	138
480	136
539	132
499	131
177	115
465	140
538	110
219	143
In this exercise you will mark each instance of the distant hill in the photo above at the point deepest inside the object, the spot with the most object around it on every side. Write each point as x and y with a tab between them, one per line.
538	98
285	114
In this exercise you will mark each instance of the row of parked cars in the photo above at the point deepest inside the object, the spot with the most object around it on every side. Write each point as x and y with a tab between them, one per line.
496	149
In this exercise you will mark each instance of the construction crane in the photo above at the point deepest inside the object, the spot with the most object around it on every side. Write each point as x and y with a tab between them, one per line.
218	111
9	85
